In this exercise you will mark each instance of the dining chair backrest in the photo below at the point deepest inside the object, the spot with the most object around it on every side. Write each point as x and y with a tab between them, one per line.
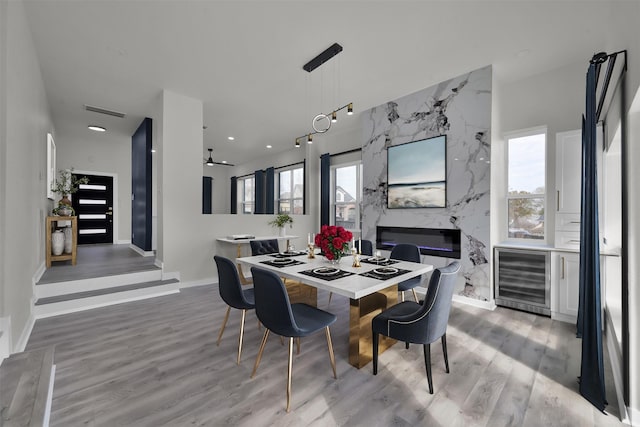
366	247
263	247
229	284
437	303
273	307
406	252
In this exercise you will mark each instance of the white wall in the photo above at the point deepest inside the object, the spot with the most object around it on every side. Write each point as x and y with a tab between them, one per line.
26	120
102	153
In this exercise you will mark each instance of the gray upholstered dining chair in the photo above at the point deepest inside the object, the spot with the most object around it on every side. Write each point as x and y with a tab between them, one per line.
278	315
232	293
407	252
420	323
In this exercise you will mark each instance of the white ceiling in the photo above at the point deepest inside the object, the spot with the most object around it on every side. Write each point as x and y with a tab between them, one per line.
244	59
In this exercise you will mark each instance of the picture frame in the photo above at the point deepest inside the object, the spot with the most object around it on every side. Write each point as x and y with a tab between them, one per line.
51	165
417	174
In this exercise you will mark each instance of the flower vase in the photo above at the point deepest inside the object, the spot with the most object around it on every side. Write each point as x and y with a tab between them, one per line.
68	240
335	261
57	242
283	231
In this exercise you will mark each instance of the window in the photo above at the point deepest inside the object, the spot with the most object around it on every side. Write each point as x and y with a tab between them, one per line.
346	195
246	194
526	163
291	190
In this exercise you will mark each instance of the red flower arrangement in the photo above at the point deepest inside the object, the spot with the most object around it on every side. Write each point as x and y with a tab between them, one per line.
334	241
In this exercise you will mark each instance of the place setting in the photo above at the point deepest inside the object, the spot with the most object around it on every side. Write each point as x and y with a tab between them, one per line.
282	262
326	273
384	273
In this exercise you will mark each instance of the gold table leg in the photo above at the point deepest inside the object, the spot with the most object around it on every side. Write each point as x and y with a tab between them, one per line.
361	312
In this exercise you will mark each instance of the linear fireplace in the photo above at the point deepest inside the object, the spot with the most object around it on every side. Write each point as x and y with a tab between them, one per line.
442	242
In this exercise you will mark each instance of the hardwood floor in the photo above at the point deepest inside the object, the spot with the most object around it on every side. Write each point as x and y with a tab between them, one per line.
98	261
155	363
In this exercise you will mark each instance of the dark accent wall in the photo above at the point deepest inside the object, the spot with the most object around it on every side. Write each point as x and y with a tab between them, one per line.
141	180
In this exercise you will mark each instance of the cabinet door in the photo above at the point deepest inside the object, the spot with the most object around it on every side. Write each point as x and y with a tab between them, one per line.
568	283
568	171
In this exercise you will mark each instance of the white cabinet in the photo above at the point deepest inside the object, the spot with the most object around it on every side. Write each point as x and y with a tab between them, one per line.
566	284
568	171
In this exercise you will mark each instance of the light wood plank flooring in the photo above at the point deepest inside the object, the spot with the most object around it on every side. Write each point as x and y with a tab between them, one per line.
98	261
155	363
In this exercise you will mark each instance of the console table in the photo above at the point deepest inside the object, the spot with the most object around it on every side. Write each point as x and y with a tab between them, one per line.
50	228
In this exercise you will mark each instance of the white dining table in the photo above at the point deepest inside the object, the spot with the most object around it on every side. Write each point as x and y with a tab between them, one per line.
367	296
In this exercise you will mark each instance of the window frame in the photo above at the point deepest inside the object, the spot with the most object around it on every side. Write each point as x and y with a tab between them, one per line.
291	200
242	200
538	130
358	196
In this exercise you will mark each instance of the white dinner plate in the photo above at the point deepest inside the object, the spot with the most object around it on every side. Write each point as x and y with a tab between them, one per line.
283	261
385	270
325	271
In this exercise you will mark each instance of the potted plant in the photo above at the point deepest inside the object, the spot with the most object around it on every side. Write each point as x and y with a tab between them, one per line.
281	221
65	184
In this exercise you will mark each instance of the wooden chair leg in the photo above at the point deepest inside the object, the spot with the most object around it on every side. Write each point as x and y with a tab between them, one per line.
244	313
224	323
264	341
376	337
444	352
427	364
330	295
402	295
331	356
415	295
289	374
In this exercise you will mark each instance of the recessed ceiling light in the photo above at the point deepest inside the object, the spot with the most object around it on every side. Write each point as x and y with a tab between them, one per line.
230	138
269	146
97	128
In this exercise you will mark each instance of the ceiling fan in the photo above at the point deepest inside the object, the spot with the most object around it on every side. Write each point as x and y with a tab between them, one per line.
210	162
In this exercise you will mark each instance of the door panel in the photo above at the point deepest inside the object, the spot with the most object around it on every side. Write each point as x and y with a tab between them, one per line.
93	204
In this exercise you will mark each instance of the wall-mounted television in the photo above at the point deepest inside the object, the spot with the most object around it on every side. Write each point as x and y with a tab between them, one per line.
417	174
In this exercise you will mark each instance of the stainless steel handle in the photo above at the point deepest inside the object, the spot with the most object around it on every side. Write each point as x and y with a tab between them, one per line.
558	200
574	241
574	222
562	259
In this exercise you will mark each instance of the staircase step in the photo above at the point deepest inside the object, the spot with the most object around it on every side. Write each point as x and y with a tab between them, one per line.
103	291
27	388
96	283
79	301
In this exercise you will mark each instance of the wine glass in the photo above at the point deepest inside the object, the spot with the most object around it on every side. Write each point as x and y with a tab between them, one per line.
378	255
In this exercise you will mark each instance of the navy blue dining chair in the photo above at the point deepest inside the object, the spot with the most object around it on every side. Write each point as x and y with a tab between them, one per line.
233	295
420	323
278	315
264	247
407	252
366	247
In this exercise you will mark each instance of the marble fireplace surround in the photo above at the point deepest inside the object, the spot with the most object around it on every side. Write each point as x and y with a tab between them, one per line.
459	108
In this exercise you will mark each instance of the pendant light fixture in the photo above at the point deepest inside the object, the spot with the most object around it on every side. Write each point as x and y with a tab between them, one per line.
321	123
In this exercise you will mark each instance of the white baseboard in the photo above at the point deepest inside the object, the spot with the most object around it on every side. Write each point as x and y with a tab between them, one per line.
487	305
202	282
567	318
5	337
142	252
634	417
123	242
158	263
24	336
38	274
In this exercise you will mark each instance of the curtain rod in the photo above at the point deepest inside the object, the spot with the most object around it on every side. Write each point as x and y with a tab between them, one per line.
355	150
292	164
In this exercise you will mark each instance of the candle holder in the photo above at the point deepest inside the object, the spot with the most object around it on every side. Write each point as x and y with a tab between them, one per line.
356	258
310	252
